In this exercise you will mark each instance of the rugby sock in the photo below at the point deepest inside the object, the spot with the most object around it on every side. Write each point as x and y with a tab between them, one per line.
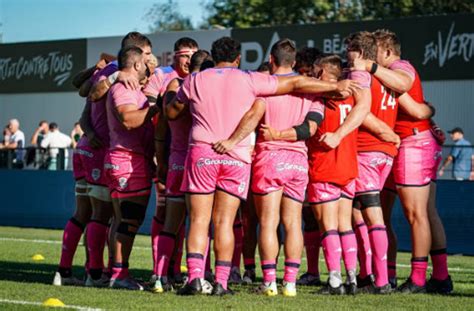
332	250
179	253
71	237
269	270
349	249
223	272
312	243
439	259
379	246
120	270
166	242
195	263
292	267
96	237
392	269
249	263
238	239
419	265
156	227
364	251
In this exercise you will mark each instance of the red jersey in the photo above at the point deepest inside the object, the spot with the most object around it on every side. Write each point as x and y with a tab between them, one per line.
339	165
384	107
407	125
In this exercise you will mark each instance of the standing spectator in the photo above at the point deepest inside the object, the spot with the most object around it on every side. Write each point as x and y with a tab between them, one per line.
76	134
55	140
38	136
4	153
16	140
461	155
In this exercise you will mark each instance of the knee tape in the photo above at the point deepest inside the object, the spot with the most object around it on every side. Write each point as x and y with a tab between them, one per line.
100	193
127	229
369	200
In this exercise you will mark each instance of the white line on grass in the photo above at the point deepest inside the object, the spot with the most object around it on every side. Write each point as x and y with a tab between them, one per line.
33	303
146	248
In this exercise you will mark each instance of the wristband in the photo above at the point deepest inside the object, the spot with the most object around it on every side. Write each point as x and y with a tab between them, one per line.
113	77
374	68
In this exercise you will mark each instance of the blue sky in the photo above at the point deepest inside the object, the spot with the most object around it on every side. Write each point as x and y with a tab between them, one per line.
38	20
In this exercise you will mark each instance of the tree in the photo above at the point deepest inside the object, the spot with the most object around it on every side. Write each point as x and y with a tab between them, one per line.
166	17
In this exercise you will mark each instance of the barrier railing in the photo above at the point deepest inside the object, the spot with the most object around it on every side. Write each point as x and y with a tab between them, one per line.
36	158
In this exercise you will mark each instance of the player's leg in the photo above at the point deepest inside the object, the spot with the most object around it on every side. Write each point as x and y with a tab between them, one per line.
249	222
312	244
157	222
235	277
348	243
387	199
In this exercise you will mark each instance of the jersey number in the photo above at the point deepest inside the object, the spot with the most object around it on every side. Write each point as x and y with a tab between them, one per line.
390	101
343	112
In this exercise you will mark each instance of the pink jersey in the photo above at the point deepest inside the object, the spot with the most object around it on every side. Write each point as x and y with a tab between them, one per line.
138	140
153	86
285	111
180	129
218	99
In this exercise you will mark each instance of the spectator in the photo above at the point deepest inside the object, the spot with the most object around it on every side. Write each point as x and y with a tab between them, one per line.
76	134
14	138
461	156
41	156
55	140
4	153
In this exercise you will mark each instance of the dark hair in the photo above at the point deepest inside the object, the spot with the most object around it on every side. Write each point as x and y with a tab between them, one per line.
306	57
185	42
42	121
333	62
363	42
225	49
53	126
135	38
128	56
265	66
201	60
388	40
284	52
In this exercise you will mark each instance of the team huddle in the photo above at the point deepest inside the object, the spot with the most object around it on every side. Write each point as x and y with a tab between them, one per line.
306	152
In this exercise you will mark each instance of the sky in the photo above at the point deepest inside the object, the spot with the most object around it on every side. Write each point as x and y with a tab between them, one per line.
39	20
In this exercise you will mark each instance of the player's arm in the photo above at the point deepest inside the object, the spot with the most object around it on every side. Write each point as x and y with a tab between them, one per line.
381	130
247	125
101	88
301	84
161	129
302	131
445	164
83	76
132	118
414	109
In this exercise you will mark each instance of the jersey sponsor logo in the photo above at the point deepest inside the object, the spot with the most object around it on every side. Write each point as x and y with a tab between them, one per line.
84	153
206	162
283	166
95	174
176	167
381	161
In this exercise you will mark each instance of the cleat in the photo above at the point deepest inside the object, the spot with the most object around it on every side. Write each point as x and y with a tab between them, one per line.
192	288
209	276
443	287
206	287
383	290
177	279
351	289
410	288
160	284
365	284
393	282
249	277
102	282
234	277
218	290
127	283
289	289
309	279
268	289
329	290
63	281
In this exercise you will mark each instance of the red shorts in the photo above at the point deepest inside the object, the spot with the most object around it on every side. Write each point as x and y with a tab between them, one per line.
129	174
88	163
374	168
285	170
323	192
417	161
206	171
175	174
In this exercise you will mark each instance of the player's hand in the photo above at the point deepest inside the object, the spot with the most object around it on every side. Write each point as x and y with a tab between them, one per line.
268	133
223	146
397	141
94	141
100	64
441	172
330	140
347	86
128	80
360	64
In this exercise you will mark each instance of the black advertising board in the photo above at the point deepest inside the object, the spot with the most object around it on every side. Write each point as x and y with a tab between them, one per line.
41	66
440	47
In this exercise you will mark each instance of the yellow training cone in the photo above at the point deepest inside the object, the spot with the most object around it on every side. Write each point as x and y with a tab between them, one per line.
37	257
53	302
184	269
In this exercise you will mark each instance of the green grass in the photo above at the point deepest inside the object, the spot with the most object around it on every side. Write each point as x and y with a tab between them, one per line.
23	279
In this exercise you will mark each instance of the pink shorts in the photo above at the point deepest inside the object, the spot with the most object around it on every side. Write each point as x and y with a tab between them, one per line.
280	170
88	163
129	174
206	171
323	192
417	161
174	178
374	168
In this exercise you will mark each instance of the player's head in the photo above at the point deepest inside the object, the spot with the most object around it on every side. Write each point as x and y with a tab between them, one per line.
137	39
152	63
283	54
131	59
184	49
361	44
201	60
330	68
226	50
388	47
264	67
305	59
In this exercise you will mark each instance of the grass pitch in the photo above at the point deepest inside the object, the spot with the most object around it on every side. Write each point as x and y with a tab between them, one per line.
25	283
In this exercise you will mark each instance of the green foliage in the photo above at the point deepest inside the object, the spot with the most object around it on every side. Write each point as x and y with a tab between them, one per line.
166	17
